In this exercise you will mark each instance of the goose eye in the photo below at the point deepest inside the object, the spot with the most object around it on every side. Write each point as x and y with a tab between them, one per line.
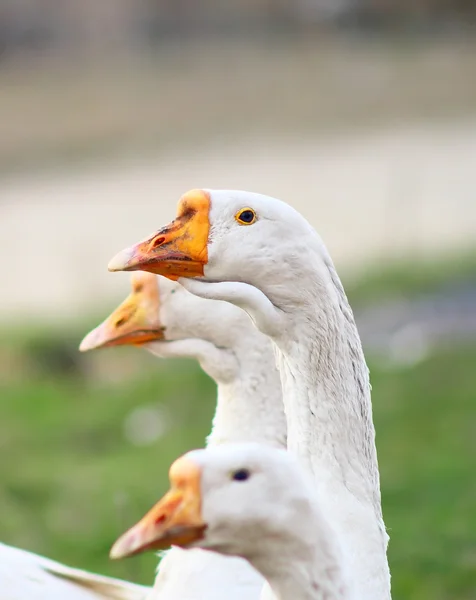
241	475
246	216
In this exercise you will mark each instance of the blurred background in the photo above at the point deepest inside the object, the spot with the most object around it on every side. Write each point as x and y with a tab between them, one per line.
362	115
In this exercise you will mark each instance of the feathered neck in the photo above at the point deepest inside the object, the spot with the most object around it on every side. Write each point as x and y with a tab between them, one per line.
304	562
291	579
326	387
249	402
326	394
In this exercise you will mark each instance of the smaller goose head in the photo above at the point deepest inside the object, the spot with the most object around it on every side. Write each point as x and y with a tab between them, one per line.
237	499
134	322
161	316
161	310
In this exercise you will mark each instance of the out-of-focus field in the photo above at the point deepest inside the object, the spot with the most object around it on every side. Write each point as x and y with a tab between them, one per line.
75	476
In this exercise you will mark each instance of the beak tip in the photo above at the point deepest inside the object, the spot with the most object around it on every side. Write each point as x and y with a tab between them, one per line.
120	261
88	342
123	547
115	553
84	347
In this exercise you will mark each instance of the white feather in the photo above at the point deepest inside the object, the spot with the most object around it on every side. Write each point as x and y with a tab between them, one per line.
28	576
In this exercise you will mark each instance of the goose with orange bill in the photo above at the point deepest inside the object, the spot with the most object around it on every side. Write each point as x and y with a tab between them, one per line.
162	317
250	501
261	255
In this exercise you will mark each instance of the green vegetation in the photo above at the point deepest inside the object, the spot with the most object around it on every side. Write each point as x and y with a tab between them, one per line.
409	278
72	481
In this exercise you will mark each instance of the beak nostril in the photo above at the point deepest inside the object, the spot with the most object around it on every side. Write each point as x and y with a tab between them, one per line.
160	519
120	322
138	288
157	242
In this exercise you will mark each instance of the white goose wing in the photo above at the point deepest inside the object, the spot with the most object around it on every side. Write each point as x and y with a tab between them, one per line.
27	576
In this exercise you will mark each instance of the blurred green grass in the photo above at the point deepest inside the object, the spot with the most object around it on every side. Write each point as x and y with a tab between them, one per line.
71	482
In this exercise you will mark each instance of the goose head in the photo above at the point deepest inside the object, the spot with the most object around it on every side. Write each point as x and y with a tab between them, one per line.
161	316
237	499
234	236
161	310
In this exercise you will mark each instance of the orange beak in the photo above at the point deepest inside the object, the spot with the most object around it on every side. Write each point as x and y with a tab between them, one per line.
179	249
134	322
174	520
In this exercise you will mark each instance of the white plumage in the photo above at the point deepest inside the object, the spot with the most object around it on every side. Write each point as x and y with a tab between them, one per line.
28	576
252	501
260	254
249	406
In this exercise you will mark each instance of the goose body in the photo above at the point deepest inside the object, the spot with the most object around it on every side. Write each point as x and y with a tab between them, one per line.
263	256
28	576
164	318
251	501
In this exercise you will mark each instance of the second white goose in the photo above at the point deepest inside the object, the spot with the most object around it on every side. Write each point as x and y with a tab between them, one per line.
163	317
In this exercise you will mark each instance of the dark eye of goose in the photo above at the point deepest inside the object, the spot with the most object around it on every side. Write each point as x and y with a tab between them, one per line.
246	216
241	475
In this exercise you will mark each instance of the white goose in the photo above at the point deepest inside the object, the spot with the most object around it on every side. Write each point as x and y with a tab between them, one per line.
28	576
263	256
252	501
169	321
